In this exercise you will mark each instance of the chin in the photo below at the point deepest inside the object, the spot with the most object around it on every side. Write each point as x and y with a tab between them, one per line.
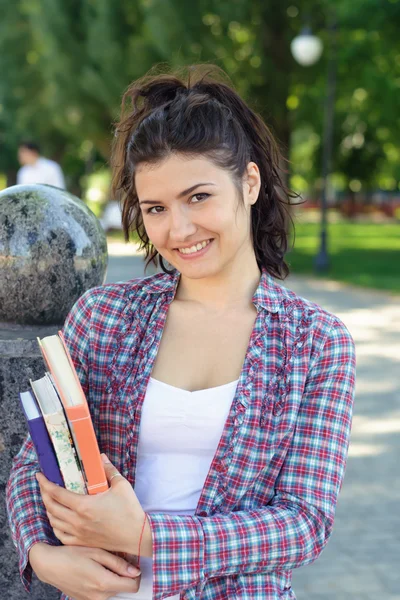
192	272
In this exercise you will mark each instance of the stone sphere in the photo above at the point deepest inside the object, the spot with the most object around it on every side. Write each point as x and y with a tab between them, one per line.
52	249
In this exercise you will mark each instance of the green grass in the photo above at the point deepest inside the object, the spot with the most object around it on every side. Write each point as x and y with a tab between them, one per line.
364	254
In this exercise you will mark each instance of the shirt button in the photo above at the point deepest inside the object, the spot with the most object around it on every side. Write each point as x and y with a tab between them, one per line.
202	513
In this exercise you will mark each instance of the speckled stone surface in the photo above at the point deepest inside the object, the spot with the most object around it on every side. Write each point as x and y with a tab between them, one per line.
20	360
52	249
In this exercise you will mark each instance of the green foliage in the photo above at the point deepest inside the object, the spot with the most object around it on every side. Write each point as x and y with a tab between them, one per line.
367	111
66	63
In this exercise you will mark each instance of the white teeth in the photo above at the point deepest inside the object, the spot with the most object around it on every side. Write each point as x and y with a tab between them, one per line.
196	248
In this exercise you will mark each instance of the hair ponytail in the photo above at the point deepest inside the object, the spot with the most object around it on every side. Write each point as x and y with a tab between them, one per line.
196	111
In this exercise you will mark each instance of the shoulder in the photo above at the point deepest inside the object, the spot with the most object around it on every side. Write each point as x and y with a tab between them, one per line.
315	321
22	172
49	164
110	303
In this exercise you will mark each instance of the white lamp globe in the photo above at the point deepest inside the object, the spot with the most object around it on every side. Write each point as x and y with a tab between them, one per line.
306	48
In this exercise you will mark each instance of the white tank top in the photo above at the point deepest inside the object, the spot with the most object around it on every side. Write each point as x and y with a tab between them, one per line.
179	435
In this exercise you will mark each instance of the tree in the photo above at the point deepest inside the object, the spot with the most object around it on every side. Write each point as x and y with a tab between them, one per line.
66	63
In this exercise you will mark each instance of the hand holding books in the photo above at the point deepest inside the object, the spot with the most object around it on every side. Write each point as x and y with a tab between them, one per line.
60	424
63	436
112	520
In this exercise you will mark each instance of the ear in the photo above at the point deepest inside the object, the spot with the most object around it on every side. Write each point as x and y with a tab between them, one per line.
252	183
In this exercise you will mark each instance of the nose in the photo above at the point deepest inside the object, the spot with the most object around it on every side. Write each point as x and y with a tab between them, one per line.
181	225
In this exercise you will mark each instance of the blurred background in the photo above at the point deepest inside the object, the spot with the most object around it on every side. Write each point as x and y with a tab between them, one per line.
330	95
325	75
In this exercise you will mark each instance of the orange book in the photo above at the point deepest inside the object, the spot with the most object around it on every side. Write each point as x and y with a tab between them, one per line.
61	367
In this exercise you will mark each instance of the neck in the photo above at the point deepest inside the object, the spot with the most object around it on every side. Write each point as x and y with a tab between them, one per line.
230	289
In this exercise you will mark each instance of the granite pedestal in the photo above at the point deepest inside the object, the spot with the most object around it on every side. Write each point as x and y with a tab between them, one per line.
20	360
52	249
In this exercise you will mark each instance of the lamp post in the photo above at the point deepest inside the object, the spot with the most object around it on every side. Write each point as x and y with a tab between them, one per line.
306	50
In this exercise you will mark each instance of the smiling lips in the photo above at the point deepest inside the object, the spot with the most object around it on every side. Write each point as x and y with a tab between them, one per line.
195	248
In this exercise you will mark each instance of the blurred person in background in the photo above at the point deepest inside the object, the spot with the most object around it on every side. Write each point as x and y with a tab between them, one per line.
37	169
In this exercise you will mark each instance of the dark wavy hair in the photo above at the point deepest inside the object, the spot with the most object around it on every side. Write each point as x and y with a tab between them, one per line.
195	111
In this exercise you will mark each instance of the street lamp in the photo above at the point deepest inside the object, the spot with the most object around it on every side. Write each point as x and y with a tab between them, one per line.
306	50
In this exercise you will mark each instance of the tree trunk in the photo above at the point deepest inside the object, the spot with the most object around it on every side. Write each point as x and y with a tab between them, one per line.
11	176
276	59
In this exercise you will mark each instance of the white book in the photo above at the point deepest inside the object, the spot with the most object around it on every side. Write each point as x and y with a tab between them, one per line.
57	426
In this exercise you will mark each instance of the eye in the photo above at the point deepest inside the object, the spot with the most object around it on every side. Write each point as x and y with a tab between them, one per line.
154	209
202	196
149	210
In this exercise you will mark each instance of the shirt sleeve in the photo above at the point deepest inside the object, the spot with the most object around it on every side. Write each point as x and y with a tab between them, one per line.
25	509
292	530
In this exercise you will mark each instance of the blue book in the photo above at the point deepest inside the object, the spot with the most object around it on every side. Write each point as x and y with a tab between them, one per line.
41	439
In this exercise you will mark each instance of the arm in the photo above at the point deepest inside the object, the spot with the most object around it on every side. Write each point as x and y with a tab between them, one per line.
294	527
26	512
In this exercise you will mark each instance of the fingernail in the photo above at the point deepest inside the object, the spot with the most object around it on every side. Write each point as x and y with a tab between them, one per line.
134	571
105	458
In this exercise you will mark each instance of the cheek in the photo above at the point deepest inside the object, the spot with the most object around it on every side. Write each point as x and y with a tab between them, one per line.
234	223
156	231
218	218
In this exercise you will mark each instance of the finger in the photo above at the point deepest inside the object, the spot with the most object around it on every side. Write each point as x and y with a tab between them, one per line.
117	584
63	496
115	563
65	521
112	473
67	539
48	502
45	496
60	525
58	510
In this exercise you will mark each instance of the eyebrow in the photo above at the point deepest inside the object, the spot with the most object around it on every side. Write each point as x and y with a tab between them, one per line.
180	195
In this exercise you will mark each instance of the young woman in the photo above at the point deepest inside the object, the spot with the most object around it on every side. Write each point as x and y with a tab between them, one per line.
222	400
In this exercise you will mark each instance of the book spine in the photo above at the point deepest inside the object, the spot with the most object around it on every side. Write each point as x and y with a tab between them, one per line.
60	436
45	451
81	422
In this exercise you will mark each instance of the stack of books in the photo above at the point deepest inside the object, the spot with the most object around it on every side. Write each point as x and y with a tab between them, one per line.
60	424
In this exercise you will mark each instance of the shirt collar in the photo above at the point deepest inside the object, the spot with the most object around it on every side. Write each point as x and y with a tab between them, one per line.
268	294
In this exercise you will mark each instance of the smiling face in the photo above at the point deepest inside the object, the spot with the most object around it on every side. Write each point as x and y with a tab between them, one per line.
186	202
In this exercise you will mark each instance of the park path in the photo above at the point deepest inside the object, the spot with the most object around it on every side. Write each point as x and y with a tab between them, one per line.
361	560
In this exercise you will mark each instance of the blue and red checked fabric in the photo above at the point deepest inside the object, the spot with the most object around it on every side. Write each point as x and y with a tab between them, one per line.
268	502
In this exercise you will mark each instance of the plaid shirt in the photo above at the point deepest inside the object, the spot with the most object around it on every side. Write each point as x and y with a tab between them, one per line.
268	501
